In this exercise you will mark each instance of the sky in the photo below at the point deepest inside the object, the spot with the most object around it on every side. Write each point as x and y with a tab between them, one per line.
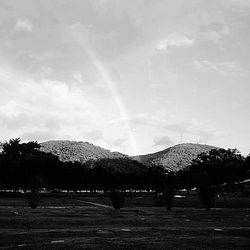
130	76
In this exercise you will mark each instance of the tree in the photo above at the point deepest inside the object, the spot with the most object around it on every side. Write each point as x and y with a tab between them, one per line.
117	198
10	169
218	167
205	191
29	148
33	199
164	184
247	167
20	165
12	148
15	149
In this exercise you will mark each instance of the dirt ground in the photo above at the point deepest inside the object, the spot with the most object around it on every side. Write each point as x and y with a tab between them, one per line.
88	222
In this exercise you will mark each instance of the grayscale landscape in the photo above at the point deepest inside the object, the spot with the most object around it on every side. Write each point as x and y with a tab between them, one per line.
124	124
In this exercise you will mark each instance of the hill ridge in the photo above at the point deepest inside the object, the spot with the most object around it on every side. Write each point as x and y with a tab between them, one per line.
80	151
176	157
173	158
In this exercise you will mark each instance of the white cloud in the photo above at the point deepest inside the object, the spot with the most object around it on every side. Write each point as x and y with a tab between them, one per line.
203	132
95	135
50	107
40	135
24	24
141	44
5	74
119	142
223	68
9	109
14	122
174	40
214	32
78	77
163	141
143	119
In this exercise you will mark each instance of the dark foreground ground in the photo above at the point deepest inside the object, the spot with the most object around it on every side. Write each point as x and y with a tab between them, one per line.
87	222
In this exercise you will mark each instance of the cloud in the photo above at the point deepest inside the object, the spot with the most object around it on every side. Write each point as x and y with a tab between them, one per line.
9	108
141	119
174	40
214	31
119	142
141	44
5	74
53	124
40	135
223	68
163	141
23	24
49	107
94	135
14	122
242	3
203	131
78	77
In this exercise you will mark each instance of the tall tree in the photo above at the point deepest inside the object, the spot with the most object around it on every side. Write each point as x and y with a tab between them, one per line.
221	166
12	148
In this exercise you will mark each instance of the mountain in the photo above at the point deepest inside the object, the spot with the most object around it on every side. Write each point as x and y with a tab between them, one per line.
174	158
78	151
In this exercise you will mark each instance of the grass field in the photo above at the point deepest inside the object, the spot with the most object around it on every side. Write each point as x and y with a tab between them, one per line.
86	221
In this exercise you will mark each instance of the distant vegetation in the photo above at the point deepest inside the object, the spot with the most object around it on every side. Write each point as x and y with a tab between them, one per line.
57	165
176	158
78	151
24	166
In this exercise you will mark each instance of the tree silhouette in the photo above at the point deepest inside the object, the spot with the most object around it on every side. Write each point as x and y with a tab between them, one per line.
164	184
217	168
12	148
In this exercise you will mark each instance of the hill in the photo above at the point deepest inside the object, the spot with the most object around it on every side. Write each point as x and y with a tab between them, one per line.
174	158
78	151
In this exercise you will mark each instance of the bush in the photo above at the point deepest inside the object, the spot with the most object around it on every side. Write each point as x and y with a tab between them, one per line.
206	194
168	196
32	199
117	199
159	200
164	199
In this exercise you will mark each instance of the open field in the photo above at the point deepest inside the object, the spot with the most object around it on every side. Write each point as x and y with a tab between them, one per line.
82	221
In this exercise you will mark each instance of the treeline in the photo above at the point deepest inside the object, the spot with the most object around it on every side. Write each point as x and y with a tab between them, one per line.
23	166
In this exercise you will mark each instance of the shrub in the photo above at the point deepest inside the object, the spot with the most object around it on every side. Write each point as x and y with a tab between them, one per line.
164	199
206	194
117	199
168	196
32	199
159	200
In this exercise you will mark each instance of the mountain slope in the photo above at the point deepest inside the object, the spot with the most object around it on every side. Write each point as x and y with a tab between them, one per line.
174	158
78	151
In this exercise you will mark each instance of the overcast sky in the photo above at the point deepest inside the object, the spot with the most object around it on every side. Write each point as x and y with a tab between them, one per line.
133	76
